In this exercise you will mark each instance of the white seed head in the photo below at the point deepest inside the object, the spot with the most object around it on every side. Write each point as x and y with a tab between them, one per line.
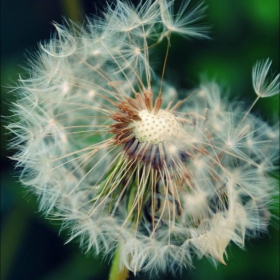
156	128
161	179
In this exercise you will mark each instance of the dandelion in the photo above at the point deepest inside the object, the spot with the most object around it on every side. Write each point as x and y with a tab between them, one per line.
109	150
262	86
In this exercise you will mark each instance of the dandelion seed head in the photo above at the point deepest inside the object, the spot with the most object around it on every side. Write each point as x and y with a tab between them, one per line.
155	128
108	148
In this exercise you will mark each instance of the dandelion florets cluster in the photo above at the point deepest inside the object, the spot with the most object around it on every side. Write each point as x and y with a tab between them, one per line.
108	150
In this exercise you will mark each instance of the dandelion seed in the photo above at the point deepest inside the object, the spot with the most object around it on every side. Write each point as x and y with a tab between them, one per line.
105	145
182	23
262	86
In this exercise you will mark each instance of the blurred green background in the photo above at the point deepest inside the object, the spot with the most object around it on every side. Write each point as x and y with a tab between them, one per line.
242	32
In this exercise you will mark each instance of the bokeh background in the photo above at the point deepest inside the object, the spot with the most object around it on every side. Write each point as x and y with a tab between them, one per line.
242	32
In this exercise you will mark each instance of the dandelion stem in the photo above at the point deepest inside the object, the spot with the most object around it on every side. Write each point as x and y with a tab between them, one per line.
250	109
117	273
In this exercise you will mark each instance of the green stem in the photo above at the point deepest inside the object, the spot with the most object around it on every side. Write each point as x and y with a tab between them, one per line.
115	272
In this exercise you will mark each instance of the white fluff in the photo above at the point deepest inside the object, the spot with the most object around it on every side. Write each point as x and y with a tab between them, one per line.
214	186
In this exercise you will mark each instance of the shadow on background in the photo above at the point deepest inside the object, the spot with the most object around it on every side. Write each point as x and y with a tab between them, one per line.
242	32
